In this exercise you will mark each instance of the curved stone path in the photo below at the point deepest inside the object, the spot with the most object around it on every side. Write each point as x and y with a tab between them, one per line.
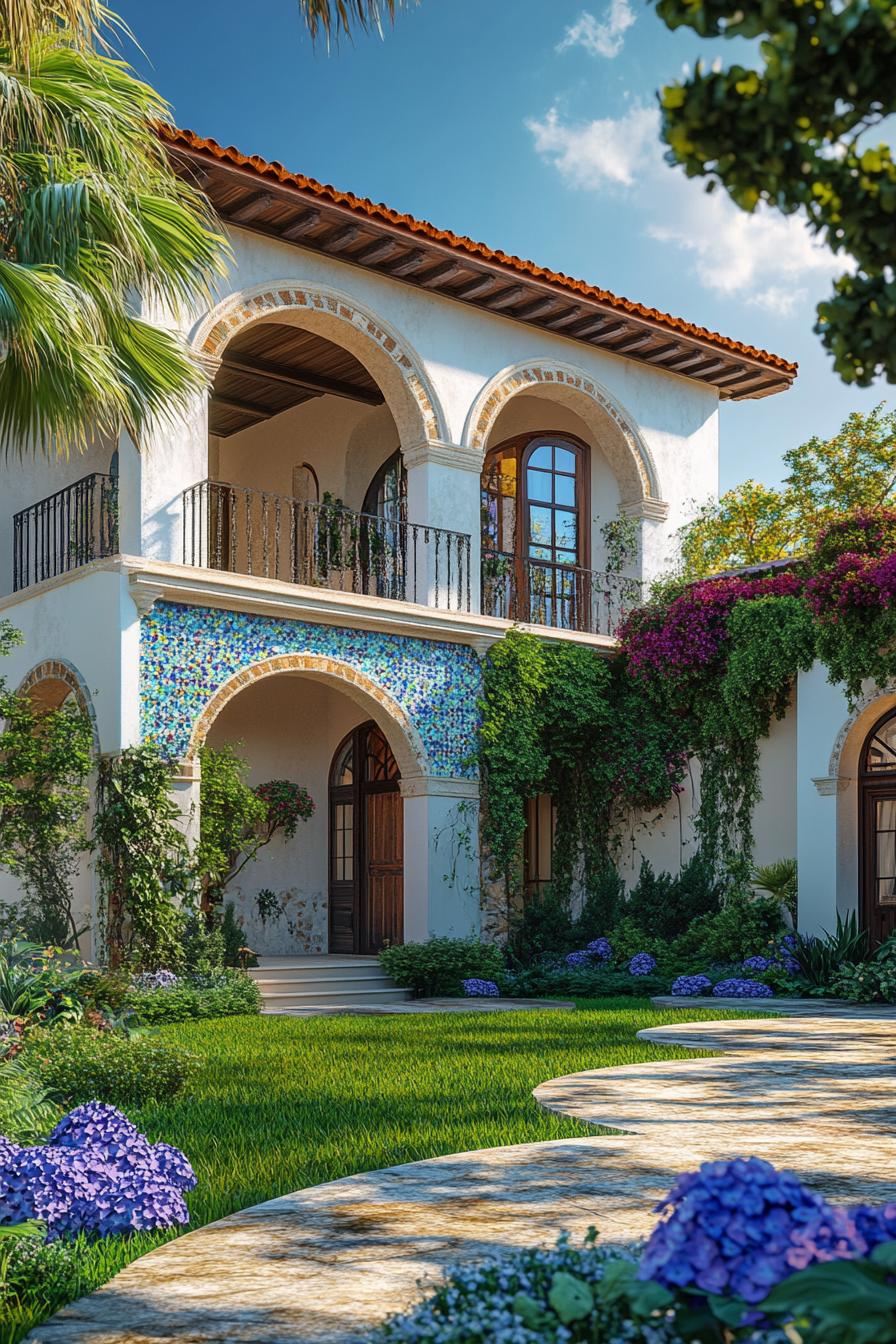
328	1263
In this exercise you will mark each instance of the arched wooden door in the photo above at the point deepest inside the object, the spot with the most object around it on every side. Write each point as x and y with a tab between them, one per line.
366	889
877	826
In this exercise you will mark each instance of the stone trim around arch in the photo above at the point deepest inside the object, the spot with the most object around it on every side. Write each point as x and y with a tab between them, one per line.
867	709
58	670
408	748
642	480
217	329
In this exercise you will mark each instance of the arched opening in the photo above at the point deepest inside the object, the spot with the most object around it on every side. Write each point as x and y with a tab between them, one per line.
337	886
366	881
877	829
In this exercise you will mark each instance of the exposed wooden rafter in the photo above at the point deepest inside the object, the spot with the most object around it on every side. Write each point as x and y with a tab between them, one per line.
252	208
264	371
474	288
242	407
506	299
307	220
410	262
341	238
448	270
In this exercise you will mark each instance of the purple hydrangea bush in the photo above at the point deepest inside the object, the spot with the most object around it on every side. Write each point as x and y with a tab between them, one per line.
577	959
642	963
737	1228
600	949
689	986
95	1174
757	964
480	989
737	988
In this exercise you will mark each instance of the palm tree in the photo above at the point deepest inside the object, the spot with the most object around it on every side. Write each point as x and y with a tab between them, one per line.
91	215
324	17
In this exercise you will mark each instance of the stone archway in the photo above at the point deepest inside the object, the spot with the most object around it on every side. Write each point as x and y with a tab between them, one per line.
51	683
403	737
613	429
388	357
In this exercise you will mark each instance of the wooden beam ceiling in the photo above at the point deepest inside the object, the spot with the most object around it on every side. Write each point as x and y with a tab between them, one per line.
263	370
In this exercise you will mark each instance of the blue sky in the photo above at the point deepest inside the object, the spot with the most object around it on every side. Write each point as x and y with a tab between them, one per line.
531	127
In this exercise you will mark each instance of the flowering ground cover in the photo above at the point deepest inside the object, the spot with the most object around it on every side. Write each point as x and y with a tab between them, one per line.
282	1103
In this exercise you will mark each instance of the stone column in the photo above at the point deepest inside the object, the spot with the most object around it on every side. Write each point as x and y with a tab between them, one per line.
444	492
441	857
820	710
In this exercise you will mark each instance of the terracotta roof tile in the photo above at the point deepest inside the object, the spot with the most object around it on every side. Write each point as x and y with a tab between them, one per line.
420	227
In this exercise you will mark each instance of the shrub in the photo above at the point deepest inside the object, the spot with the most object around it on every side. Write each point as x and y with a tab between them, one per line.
438	967
743	927
84	1065
642	963
872	981
539	1296
690	986
96	1174
603	901
544	925
225	994
39	983
48	1272
591	981
821	959
480	989
26	1111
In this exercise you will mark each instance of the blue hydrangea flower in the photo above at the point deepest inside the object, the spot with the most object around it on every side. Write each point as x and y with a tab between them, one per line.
577	959
478	989
756	963
601	949
739	1227
741	989
96	1174
690	985
642	963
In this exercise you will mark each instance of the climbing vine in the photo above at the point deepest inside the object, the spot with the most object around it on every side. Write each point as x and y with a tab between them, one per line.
703	670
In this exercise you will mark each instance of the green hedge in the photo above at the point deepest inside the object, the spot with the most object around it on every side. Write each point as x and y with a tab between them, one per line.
437	968
81	1064
228	995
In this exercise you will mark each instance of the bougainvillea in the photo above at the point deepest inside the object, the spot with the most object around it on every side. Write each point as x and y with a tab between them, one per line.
736	988
96	1174
689	986
287	804
739	1227
480	989
642	963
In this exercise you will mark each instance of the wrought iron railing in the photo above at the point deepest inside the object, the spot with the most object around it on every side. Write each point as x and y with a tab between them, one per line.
66	530
564	597
272	536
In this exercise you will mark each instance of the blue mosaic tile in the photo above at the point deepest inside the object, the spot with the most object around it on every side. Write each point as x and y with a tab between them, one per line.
188	653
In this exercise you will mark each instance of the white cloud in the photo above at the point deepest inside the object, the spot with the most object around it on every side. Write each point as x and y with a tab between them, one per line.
600	37
763	259
597	152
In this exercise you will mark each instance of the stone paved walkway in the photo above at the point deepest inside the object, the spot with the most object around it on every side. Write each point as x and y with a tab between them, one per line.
326	1264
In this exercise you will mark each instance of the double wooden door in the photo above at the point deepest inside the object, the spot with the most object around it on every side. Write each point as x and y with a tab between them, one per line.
366	888
877	803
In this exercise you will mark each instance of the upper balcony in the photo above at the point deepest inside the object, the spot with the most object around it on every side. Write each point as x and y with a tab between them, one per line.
320	460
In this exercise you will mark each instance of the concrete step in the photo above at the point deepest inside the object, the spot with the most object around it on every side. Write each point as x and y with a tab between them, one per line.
282	1000
316	974
351	984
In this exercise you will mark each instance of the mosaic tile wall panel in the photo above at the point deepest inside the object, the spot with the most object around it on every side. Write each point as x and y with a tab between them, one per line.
187	653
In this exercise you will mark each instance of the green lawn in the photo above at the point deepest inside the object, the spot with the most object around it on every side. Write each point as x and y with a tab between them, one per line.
283	1103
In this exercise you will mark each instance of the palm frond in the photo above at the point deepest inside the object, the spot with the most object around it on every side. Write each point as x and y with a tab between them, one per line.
329	18
86	20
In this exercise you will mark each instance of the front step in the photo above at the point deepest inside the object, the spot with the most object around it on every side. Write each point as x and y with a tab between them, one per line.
291	984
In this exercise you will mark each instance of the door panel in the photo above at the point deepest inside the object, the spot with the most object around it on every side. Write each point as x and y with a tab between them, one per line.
385	870
879	862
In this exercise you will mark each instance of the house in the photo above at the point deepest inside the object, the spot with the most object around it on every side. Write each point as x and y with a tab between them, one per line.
410	443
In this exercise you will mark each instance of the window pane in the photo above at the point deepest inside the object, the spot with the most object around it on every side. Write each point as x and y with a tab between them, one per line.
541	553
882	748
540	525
886	851
539	484
565	491
565	530
541	457
564	460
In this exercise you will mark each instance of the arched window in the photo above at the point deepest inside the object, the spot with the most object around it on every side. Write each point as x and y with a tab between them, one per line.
387	493
877	805
535	533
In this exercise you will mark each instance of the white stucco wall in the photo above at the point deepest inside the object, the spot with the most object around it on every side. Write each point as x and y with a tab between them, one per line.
666	838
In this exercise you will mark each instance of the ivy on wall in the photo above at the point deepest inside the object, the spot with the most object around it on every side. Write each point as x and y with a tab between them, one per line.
703	670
